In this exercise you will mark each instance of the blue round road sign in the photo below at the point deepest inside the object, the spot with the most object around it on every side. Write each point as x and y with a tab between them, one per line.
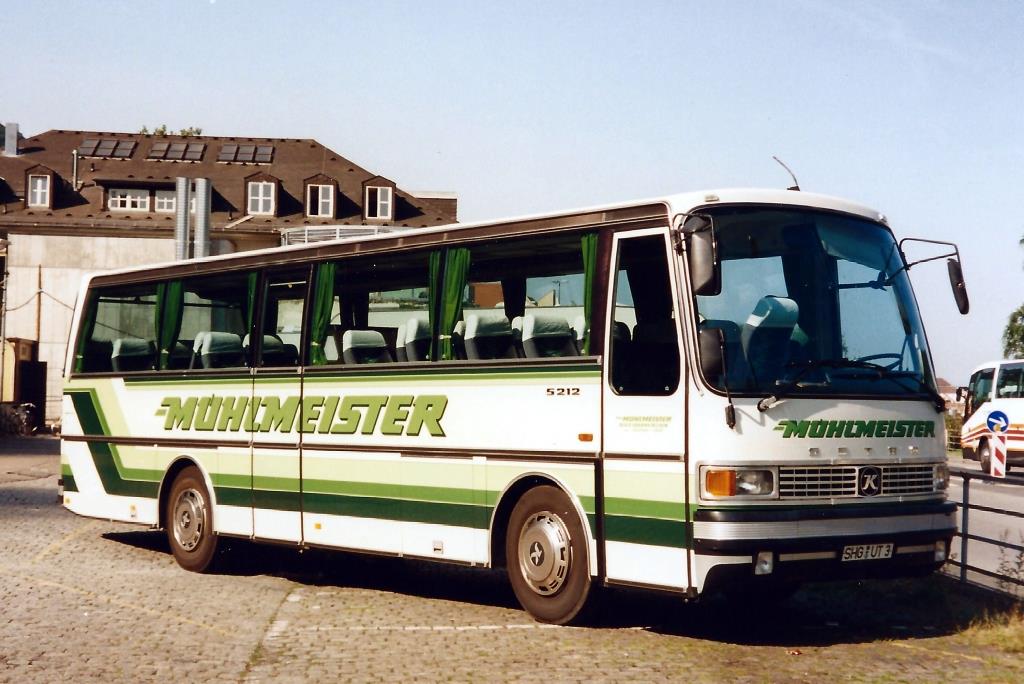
998	421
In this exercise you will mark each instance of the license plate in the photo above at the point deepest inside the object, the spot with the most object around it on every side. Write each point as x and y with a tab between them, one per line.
859	552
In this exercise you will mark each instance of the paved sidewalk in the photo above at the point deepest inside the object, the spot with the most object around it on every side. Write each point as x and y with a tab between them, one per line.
91	600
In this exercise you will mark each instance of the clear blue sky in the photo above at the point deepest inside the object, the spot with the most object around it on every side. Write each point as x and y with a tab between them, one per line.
913	107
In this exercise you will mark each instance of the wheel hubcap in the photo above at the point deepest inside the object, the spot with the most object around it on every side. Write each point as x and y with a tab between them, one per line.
189	519
545	553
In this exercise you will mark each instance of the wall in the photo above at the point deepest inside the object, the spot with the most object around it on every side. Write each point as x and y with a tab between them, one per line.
64	261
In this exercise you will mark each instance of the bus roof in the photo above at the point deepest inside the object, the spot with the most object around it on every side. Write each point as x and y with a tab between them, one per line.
994	364
597	215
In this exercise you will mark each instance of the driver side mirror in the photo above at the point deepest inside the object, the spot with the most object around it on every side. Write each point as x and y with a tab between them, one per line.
960	393
956	281
702	250
712	361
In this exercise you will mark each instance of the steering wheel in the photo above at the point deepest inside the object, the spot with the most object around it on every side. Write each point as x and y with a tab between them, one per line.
897	358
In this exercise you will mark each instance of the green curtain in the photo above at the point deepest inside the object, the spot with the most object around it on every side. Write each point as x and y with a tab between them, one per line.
589	243
88	327
456	268
435	285
250	302
170	303
323	302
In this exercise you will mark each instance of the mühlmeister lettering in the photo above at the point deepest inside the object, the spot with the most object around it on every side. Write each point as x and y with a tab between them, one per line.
855	429
400	414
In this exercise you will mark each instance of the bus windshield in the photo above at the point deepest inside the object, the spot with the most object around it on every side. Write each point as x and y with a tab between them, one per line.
814	303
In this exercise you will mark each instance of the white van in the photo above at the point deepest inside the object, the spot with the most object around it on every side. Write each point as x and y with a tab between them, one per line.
997	386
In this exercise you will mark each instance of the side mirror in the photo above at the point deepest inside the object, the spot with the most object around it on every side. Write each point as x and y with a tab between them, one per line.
956	281
712	362
705	273
960	392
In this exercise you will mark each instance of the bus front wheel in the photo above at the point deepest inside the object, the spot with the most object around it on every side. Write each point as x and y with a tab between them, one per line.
189	519
985	456
548	559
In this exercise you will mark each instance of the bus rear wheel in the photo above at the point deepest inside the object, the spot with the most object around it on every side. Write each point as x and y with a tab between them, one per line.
547	556
189	519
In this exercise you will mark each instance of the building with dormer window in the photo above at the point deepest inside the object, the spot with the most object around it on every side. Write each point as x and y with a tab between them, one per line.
78	201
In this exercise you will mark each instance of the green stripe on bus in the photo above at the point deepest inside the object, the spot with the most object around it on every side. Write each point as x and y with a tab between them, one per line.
88	415
111	479
437	513
133	482
667	510
398	492
650	531
67	476
233	496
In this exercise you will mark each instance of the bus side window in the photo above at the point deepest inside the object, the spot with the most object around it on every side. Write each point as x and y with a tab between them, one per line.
117	331
216	316
385	296
644	344
525	299
1011	382
282	320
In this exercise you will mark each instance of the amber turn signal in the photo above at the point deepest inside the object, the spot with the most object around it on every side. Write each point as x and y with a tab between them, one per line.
720	482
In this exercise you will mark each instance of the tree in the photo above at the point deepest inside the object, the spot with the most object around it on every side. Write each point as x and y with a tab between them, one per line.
1013	336
162	130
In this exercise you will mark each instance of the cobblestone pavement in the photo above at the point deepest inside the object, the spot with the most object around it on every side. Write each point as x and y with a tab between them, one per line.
86	600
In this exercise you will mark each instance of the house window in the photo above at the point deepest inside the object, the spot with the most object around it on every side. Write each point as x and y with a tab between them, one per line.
261	197
378	203
38	191
320	200
167	200
128	199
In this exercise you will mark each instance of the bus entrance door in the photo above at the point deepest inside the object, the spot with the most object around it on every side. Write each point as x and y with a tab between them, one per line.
644	479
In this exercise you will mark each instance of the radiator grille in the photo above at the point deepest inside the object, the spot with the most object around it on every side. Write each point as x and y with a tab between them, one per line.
799	482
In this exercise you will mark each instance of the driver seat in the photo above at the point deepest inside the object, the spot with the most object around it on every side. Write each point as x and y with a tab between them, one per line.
766	336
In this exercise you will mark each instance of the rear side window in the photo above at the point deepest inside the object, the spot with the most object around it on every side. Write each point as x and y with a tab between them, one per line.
200	322
117	331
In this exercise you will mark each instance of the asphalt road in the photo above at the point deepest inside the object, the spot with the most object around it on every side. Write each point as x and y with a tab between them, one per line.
92	600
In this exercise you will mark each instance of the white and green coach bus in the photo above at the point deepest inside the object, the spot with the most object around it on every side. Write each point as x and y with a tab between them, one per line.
706	391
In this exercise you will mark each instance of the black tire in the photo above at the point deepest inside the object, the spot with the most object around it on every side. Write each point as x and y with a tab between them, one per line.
547	556
985	456
189	519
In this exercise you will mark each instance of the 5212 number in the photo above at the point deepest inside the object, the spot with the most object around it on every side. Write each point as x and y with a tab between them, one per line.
563	391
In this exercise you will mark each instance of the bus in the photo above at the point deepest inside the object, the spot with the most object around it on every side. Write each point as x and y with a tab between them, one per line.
704	392
995	394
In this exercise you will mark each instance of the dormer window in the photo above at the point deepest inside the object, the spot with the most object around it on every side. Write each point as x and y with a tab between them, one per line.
261	198
128	199
320	201
379	202
166	202
38	191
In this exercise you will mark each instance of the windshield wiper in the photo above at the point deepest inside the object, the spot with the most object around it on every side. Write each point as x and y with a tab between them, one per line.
880	373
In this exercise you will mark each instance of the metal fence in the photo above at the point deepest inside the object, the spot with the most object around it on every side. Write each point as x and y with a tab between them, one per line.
1003	574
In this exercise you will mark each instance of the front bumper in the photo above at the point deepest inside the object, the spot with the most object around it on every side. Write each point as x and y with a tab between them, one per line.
807	543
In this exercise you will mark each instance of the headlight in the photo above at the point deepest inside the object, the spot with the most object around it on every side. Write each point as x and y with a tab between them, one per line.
941	477
728	482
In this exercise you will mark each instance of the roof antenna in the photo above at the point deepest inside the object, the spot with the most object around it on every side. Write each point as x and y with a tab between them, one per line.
796	185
